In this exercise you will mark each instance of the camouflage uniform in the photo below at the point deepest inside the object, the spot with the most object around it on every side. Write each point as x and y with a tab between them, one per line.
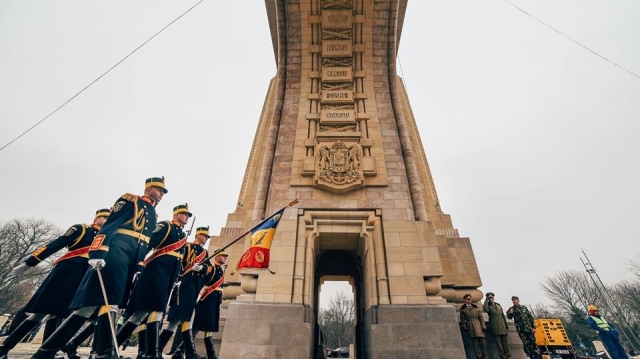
525	327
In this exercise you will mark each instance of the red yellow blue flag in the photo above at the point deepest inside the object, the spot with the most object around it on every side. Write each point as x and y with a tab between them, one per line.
257	256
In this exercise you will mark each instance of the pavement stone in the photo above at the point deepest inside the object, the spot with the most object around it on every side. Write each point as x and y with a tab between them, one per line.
25	350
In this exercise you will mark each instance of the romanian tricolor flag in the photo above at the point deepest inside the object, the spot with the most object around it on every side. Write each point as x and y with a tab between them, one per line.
257	256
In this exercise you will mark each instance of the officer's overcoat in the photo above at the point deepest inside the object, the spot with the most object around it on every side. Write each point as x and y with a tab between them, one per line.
471	319
161	270
55	293
190	283
122	243
497	319
207	316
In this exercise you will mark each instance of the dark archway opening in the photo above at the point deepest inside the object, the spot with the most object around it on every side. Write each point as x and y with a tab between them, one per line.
340	264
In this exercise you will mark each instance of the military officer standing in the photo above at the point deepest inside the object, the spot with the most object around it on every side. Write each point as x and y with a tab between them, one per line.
151	294
191	282
115	254
207	317
55	293
525	326
498	324
472	321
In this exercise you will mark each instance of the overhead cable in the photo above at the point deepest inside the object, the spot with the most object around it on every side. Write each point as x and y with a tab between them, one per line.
99	77
570	39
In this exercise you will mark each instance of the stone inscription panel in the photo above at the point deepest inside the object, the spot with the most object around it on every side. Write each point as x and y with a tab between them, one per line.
337	19
337	97
337	48
337	117
337	74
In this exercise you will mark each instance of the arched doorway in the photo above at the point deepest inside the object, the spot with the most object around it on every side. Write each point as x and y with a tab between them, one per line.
345	245
340	265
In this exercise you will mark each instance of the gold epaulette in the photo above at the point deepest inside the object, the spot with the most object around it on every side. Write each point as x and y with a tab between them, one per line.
130	197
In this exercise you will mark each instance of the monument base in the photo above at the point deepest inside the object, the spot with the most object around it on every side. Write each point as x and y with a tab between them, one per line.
412	332
515	344
266	331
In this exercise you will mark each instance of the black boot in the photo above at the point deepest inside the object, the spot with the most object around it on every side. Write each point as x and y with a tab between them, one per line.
211	350
103	337
188	345
50	326
71	348
125	332
18	318
60	337
153	341
178	353
16	336
177	340
165	336
142	342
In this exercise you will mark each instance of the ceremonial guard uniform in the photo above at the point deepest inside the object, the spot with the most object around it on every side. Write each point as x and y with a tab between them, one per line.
122	243
151	294
207	317
115	254
55	293
191	282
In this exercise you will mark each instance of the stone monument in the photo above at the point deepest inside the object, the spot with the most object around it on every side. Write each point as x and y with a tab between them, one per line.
337	132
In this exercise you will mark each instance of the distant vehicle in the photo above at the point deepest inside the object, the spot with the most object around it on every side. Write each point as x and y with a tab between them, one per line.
342	352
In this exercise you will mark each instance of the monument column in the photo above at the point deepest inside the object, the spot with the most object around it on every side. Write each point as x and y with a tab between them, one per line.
337	132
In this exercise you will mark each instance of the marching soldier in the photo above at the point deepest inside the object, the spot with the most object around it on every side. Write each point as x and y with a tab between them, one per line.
114	257
207	318
71	348
151	294
55	293
190	284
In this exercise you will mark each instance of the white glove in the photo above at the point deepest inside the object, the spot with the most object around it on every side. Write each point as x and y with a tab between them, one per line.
97	263
19	270
197	267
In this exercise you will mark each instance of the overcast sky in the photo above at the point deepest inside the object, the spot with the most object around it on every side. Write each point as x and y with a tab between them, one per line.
533	141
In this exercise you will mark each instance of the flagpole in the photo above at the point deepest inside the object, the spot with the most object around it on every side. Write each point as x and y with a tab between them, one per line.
292	203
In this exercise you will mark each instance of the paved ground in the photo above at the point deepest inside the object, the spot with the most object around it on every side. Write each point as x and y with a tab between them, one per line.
24	351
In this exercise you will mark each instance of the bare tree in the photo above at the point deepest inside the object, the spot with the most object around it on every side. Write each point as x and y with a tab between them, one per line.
337	323
634	266
626	294
18	239
574	323
570	290
540	310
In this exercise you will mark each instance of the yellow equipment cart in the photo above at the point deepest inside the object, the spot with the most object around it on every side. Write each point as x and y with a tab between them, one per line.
553	340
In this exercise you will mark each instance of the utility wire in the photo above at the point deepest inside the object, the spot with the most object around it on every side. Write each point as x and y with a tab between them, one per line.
570	39
101	76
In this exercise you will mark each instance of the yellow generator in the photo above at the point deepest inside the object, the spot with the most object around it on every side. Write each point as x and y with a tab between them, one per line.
553	340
